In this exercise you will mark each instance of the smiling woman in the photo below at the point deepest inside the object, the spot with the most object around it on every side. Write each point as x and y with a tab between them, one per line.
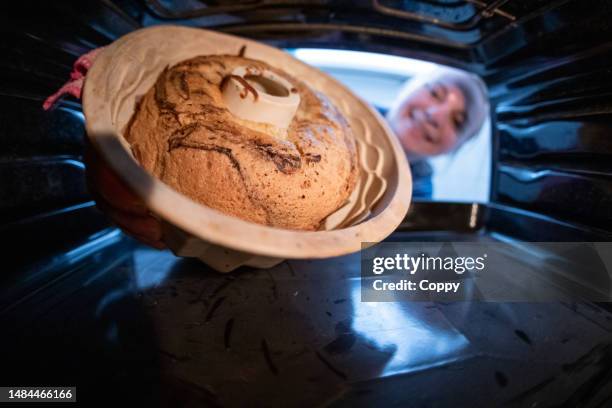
436	114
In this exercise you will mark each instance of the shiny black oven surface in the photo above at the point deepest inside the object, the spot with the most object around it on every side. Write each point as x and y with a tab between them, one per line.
81	304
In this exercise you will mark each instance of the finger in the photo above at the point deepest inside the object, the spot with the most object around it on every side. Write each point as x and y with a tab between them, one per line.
143	236
147	227
143	226
146	241
111	188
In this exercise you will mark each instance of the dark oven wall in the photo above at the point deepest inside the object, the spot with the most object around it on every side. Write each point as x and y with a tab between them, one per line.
545	63
550	81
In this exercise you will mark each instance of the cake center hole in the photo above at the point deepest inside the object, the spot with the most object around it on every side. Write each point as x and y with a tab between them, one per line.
267	85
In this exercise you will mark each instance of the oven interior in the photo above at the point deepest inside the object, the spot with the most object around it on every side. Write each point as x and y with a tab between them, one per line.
82	304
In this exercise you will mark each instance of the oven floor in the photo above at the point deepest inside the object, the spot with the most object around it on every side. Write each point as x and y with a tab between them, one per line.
126	323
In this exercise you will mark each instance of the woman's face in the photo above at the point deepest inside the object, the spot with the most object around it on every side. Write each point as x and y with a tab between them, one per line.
429	119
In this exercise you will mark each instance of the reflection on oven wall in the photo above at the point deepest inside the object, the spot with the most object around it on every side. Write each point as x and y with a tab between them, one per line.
463	175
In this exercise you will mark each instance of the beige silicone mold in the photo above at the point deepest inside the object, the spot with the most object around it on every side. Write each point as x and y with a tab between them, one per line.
128	67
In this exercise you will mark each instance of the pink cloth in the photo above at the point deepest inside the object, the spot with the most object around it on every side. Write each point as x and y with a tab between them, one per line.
75	85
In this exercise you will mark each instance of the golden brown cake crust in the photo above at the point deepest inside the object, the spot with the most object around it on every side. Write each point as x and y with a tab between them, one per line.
183	134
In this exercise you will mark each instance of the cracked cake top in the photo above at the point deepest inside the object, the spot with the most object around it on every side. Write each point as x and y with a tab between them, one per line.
293	178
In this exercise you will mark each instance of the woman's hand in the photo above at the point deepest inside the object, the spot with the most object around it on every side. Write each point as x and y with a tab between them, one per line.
112	196
121	204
